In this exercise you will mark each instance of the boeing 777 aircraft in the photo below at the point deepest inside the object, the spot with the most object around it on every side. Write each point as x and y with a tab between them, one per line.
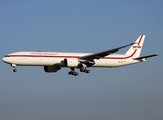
53	61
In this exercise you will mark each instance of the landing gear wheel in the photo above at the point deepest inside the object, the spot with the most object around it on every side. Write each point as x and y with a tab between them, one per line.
73	73
76	74
81	70
87	71
14	70
84	70
70	73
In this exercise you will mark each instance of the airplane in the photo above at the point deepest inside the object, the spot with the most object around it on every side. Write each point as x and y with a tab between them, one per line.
54	61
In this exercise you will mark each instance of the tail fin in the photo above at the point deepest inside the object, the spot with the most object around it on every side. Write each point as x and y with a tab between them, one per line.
136	48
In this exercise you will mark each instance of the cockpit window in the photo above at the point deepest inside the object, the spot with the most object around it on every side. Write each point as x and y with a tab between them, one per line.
7	56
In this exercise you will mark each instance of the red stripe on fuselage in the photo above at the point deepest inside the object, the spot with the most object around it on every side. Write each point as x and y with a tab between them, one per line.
44	56
71	56
121	57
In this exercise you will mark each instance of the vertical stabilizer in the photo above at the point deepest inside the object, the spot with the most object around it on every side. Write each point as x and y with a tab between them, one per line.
136	48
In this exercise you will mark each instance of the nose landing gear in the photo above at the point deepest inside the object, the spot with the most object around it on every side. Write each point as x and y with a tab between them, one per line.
14	66
14	70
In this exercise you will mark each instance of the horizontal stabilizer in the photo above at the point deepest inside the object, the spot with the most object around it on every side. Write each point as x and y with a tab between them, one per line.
148	56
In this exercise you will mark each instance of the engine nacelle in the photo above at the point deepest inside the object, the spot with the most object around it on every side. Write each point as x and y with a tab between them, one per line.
71	62
51	68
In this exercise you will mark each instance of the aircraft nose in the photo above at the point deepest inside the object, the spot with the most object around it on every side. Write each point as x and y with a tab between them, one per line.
4	59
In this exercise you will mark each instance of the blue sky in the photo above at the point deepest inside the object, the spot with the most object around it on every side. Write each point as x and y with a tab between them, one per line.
125	93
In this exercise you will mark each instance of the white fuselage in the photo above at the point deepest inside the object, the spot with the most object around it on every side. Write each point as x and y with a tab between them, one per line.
53	61
56	58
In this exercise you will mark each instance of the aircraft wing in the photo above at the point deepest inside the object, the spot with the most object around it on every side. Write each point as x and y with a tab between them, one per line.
102	54
148	56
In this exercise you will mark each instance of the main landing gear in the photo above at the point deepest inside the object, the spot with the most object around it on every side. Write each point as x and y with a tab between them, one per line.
84	70
72	72
14	66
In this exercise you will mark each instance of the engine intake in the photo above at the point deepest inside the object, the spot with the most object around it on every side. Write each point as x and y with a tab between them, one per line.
71	62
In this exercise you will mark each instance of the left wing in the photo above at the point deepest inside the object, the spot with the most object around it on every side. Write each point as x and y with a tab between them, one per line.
99	55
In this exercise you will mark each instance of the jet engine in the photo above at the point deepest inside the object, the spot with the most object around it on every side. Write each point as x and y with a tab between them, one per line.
51	68
71	62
